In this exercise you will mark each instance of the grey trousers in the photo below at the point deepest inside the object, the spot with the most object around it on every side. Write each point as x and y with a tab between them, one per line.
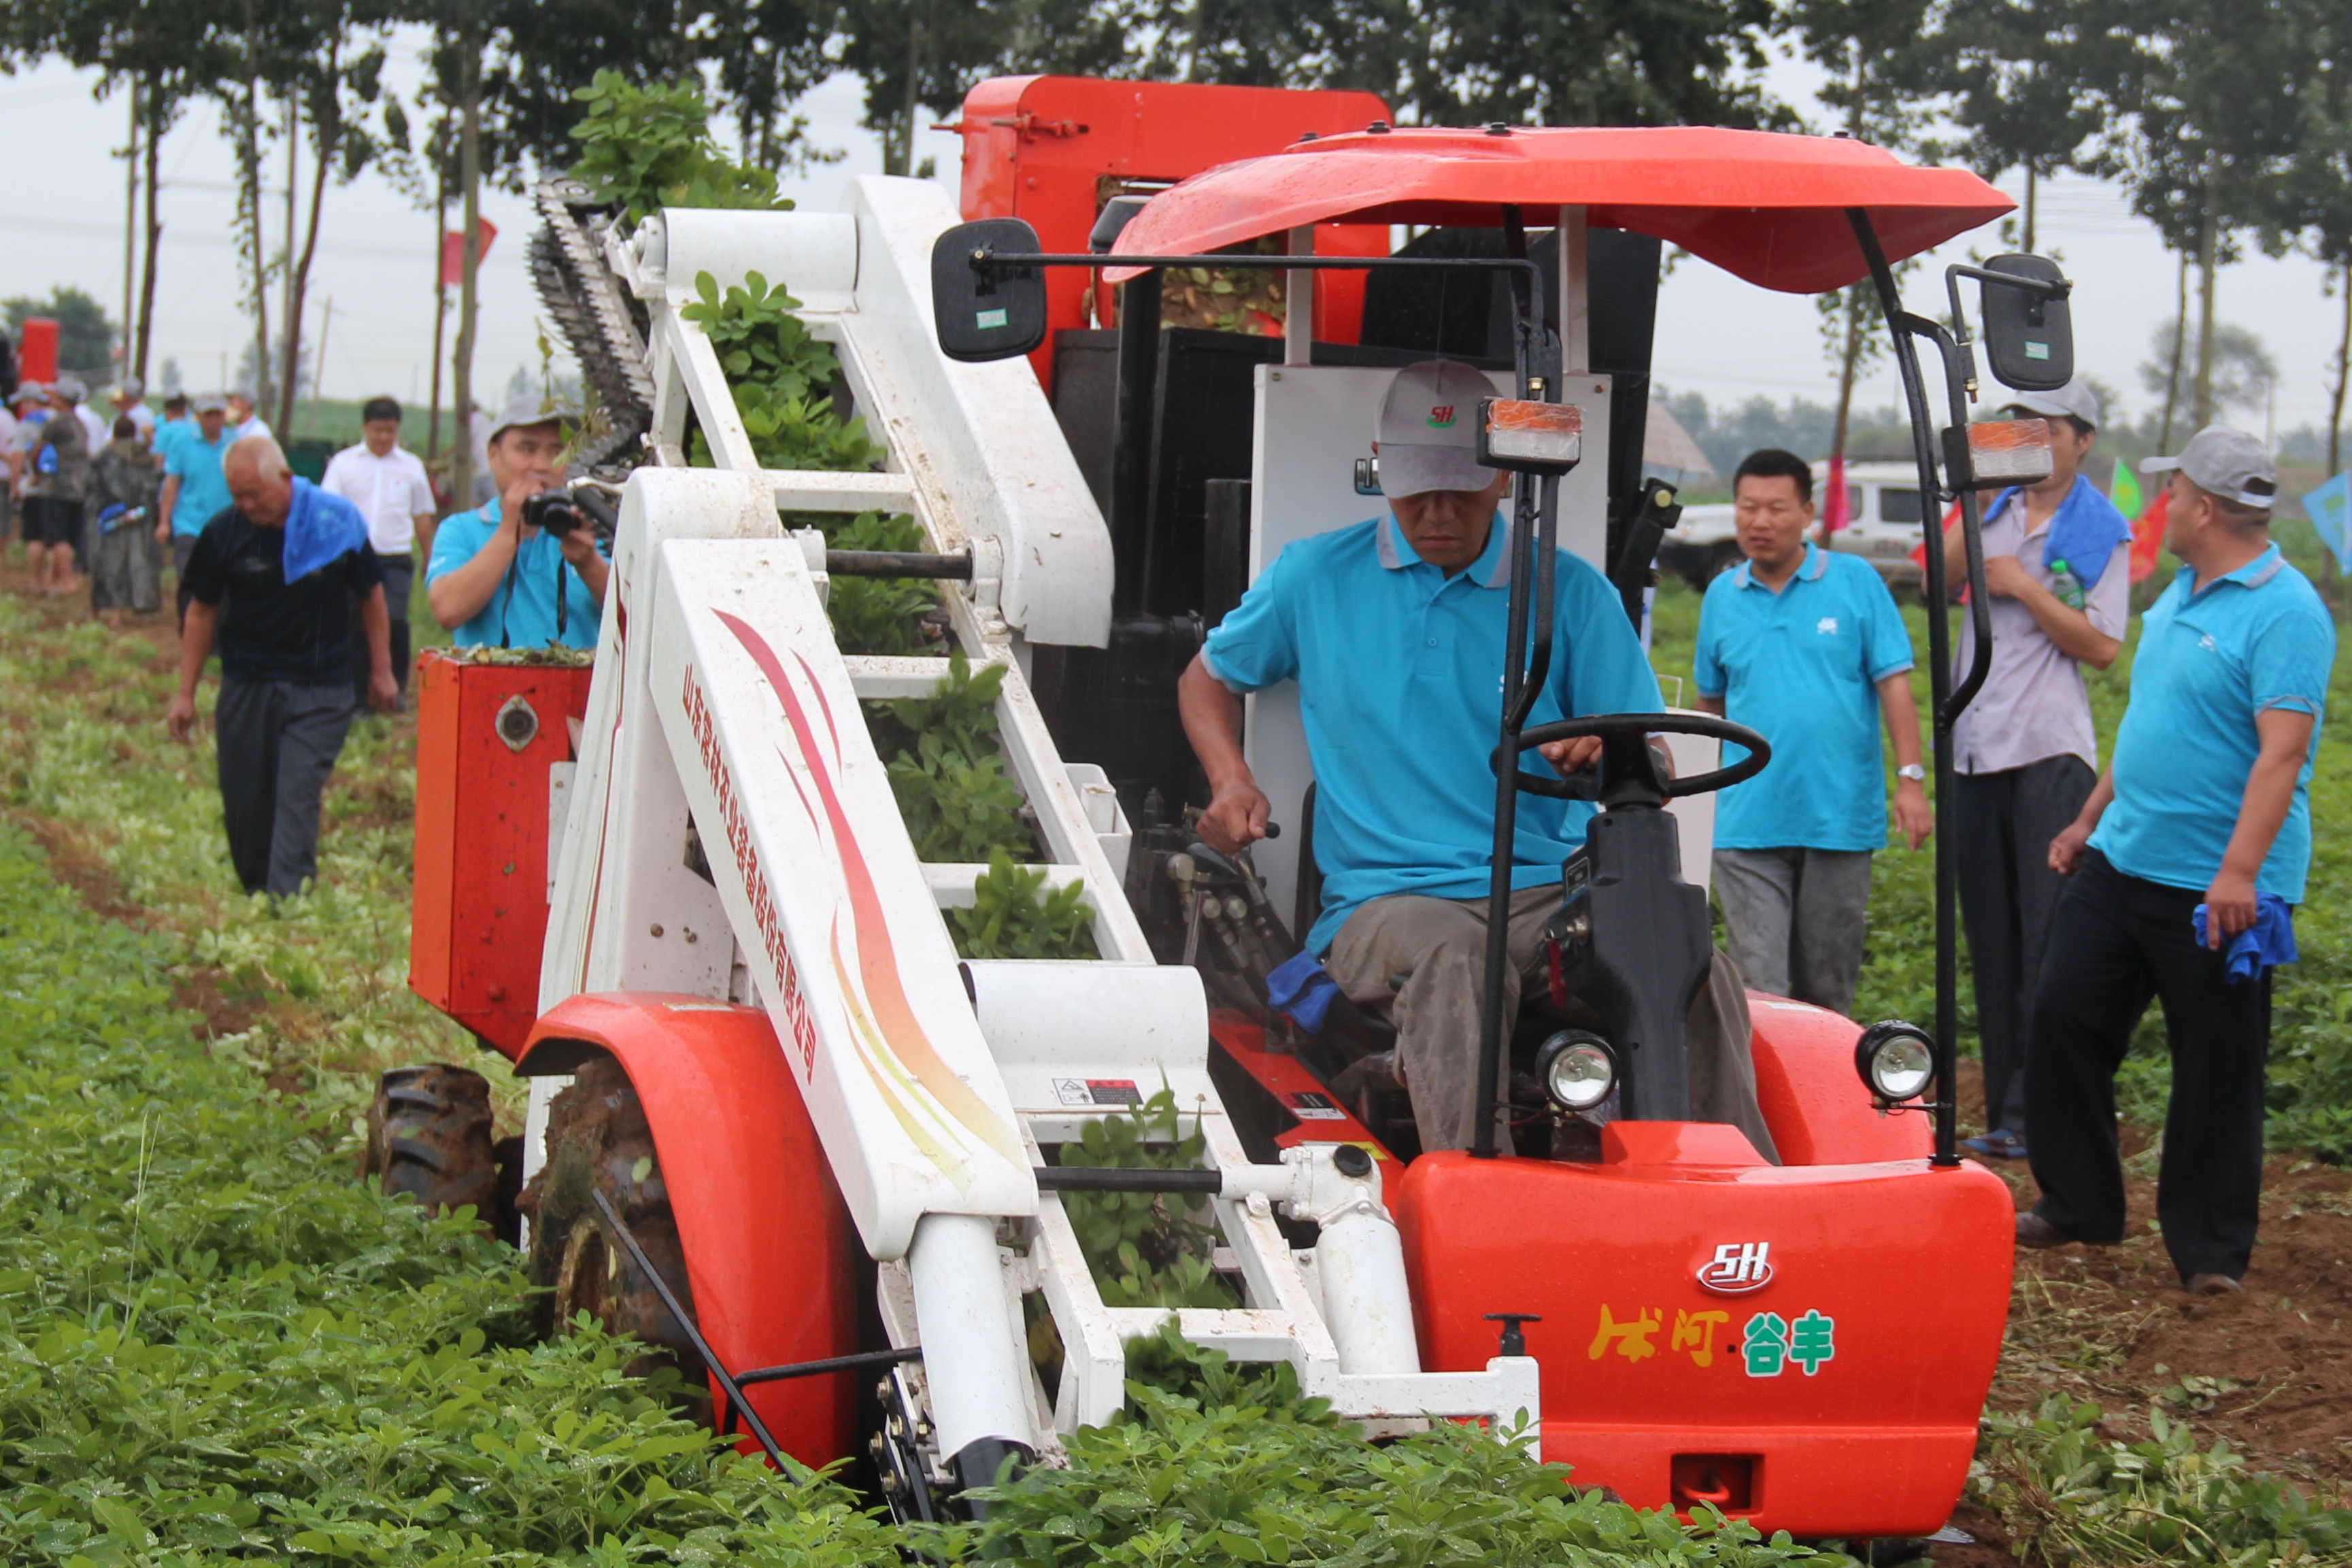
2001	827
1427	958
279	741
1793	920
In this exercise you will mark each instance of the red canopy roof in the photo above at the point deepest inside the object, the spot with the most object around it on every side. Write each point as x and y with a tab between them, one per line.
1764	206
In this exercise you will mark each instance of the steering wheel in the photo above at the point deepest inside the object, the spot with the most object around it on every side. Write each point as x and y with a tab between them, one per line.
1624	756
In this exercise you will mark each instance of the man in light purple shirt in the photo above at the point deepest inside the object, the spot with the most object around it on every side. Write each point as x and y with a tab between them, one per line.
2024	753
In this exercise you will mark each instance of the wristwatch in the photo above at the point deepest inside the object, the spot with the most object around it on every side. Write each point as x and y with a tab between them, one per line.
1913	771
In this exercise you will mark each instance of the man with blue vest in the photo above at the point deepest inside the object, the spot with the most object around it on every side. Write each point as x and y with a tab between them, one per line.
2024	755
1393	630
1805	646
2187	862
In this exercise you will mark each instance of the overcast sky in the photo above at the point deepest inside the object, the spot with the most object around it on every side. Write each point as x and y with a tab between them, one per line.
61	221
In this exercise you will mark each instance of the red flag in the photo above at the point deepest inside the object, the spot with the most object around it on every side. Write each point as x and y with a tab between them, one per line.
2147	535
453	251
1951	521
1835	515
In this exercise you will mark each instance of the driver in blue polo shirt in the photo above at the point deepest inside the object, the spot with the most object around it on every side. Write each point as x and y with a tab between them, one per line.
2185	864
1393	630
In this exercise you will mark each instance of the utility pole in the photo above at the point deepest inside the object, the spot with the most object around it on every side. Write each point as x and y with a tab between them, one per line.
440	285
154	104
2030	183
2208	245
290	308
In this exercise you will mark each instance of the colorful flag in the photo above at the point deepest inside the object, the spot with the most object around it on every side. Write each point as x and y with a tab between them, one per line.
2123	491
1835	513
2147	535
2329	508
453	250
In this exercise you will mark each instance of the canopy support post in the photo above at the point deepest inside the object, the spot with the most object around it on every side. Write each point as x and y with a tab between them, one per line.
1575	294
1298	302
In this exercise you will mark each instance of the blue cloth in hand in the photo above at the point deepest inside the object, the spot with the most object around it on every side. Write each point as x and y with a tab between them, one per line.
2268	940
320	526
1304	990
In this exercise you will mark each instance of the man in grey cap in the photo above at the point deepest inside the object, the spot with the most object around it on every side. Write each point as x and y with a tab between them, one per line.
242	419
2024	752
496	581
1393	630
2186	861
54	514
195	490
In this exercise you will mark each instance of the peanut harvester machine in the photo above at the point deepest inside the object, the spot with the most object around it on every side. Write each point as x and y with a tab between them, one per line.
825	1160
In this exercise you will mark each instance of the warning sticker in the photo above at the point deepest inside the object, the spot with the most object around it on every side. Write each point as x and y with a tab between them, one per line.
1097	1092
1309	1106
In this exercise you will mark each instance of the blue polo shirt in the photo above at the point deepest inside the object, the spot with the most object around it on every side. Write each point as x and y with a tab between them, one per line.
1400	673
2208	664
203	494
1801	667
520	612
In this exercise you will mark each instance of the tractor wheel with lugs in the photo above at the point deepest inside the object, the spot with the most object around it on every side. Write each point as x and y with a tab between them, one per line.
597	1140
428	1135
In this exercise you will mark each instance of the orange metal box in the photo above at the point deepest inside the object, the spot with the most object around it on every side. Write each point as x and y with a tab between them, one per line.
487	736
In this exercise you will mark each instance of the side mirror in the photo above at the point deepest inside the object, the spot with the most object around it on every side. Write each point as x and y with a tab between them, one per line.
2028	333
983	310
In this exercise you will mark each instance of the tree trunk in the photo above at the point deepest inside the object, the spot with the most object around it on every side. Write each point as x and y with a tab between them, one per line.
249	168
469	182
2029	209
2180	347
440	291
130	228
289	304
1847	360
2343	373
298	281
154	230
914	74
2208	245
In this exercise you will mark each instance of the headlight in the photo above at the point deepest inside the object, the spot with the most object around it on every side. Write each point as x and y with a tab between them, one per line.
1578	1069
1895	1059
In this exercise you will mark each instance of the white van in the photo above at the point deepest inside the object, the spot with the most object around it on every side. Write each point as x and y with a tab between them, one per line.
1881	499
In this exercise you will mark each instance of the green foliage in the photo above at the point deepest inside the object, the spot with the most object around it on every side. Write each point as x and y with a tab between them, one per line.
877	614
215	1345
1012	915
758	336
2069	1495
644	148
1145	1251
947	770
1223	1465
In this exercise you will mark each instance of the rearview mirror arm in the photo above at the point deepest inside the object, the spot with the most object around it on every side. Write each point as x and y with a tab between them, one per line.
1905	329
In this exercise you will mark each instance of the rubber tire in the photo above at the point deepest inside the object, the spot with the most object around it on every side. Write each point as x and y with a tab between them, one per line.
428	1135
597	1140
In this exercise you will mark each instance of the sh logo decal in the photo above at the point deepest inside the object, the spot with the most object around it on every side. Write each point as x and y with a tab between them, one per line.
1737	1267
1826	626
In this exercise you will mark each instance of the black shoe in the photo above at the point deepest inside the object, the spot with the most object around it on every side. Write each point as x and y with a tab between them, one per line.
2034	1232
2000	1144
2212	1285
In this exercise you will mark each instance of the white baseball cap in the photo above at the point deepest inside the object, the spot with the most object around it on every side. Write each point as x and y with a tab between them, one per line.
1429	430
2226	463
2074	398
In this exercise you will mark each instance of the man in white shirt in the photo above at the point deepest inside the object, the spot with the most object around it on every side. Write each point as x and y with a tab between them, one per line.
387	483
242	419
2024	753
129	398
71	388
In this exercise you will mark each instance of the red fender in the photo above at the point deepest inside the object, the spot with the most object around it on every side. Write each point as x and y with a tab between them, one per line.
770	1250
1819	1112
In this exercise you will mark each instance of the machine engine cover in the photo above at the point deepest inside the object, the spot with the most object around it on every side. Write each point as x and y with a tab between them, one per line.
1807	1346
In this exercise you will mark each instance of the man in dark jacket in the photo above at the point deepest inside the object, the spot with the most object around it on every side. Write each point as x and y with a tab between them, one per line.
274	580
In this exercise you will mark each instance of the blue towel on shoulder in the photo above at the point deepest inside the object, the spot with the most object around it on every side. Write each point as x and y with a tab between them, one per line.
2083	533
1304	990
2270	940
320	526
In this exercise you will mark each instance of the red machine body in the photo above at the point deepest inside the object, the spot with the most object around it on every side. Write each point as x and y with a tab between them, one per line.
1052	149
770	1255
1804	1345
37	349
487	736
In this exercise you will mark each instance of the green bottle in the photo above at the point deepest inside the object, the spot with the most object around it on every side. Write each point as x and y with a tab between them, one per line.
2064	584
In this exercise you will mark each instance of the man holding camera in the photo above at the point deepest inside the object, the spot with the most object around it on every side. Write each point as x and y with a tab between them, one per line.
496	579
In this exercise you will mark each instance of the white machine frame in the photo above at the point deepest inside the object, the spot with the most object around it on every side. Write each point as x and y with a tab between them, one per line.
722	703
